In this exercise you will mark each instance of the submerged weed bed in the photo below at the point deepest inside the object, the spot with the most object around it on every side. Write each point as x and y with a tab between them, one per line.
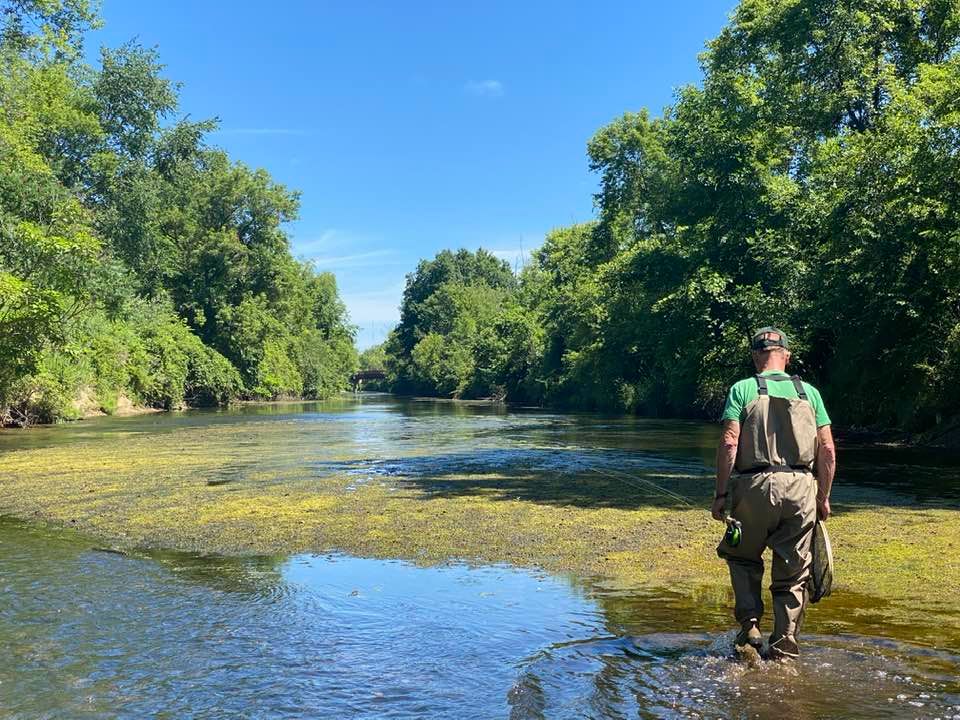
265	487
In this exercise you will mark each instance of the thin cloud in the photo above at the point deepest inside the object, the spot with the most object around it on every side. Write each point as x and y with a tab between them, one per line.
354	260
366	311
261	131
511	256
331	237
484	88
518	255
374	313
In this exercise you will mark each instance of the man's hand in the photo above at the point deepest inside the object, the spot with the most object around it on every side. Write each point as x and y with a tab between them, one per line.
823	507
718	509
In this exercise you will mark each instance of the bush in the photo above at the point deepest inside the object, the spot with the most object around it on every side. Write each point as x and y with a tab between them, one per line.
47	395
325	364
276	374
150	356
172	366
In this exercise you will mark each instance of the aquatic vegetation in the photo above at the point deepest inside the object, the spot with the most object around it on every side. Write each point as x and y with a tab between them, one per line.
268	487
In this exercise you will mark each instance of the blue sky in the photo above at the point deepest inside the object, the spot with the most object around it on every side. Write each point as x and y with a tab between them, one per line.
411	127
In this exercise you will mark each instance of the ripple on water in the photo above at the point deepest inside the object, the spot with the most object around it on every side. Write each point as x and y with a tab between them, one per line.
107	635
695	676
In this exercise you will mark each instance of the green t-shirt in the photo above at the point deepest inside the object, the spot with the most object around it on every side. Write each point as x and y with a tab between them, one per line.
745	392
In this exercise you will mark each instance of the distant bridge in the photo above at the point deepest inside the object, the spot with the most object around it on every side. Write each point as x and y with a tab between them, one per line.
358	377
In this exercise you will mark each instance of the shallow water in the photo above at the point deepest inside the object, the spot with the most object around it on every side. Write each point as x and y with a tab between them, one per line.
89	633
98	634
688	675
101	634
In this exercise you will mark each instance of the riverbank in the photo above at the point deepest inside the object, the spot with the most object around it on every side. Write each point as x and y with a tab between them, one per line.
256	486
86	406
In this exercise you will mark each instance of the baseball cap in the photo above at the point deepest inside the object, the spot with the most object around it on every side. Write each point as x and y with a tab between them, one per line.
767	338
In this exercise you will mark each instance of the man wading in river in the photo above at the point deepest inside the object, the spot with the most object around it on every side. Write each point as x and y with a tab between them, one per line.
776	434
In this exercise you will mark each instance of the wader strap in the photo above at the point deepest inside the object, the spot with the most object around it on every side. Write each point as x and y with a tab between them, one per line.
801	393
762	384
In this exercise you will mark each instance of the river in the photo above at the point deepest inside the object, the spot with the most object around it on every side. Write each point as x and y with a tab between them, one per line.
93	632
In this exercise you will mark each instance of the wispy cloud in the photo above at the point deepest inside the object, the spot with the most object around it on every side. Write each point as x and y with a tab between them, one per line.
517	254
330	241
261	131
353	260
484	88
514	256
375	305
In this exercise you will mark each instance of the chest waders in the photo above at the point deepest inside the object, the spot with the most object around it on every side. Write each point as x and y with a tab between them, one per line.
774	499
777	434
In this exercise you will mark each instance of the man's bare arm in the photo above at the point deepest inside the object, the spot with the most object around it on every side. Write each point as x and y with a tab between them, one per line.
826	469
726	459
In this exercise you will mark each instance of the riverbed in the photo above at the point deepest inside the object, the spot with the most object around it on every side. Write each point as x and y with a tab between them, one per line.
375	557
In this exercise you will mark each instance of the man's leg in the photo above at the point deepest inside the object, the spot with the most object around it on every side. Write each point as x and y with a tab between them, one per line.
792	559
746	576
752	507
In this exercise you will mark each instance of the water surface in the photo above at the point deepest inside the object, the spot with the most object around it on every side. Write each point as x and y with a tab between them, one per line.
90	633
97	634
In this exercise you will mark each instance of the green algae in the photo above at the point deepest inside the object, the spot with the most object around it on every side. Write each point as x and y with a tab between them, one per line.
261	488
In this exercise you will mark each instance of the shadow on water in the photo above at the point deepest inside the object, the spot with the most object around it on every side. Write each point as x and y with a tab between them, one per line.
29	546
925	475
623	479
547	476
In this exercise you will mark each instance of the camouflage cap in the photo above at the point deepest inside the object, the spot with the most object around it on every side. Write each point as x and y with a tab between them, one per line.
767	338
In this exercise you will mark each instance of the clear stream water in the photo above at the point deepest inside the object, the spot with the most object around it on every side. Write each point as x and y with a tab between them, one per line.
94	634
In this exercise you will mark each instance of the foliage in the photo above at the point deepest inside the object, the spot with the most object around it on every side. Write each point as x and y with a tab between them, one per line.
809	182
47	27
373	358
444	343
134	259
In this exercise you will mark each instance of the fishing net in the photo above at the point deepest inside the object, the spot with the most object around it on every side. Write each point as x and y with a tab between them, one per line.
821	575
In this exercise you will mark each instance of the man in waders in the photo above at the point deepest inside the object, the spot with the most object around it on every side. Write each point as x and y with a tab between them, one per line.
776	436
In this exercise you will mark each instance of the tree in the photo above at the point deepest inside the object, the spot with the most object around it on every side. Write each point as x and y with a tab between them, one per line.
46	27
449	307
135	259
808	182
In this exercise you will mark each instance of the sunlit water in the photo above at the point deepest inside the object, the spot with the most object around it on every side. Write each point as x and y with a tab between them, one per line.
88	633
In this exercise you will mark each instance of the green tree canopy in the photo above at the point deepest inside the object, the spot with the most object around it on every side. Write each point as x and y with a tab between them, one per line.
134	258
809	182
